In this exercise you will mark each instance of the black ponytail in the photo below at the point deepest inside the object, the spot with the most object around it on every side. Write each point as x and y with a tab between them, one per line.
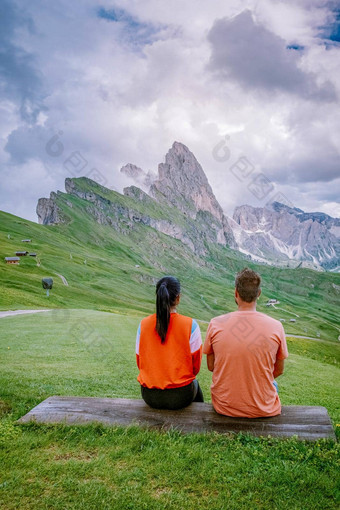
167	290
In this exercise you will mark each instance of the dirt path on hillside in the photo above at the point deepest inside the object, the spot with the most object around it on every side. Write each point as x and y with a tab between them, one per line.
287	311
65	282
9	313
311	338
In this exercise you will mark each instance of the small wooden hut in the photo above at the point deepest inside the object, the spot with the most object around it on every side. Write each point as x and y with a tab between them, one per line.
12	260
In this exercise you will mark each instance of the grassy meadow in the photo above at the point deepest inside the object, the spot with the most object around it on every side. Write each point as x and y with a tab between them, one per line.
85	345
91	353
109	271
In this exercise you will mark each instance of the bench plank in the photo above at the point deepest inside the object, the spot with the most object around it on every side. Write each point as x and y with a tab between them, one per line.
306	422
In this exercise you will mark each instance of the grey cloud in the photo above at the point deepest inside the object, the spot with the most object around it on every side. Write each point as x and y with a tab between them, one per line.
20	80
311	154
321	192
321	168
257	59
154	96
26	142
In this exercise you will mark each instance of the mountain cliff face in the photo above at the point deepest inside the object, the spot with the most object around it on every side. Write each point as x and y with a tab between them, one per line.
282	233
48	211
180	203
122	217
182	183
136	208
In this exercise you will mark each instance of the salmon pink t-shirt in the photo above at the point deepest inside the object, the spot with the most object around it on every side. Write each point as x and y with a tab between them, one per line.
246	346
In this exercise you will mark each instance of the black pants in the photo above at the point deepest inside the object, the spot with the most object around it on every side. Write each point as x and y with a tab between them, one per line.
173	398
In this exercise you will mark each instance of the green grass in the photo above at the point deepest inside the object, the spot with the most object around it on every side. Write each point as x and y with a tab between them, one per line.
92	467
86	352
77	349
110	280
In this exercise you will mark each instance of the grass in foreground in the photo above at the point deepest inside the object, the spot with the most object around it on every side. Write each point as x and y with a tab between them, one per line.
92	353
115	468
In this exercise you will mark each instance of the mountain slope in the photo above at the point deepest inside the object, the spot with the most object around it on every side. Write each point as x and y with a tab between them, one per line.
281	233
111	254
182	184
277	235
111	271
123	212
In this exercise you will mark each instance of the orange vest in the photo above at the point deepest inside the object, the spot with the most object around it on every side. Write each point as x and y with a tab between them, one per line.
167	365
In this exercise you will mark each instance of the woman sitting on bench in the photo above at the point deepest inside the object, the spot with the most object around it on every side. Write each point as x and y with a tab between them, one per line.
169	352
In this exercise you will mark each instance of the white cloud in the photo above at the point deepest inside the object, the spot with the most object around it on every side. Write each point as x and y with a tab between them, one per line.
331	208
123	91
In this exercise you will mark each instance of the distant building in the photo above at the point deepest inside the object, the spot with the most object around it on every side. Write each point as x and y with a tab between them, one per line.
21	253
12	260
26	240
282	320
272	302
32	254
292	320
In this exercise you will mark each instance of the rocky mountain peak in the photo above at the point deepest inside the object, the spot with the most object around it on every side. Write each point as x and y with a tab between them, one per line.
138	175
281	233
180	203
133	171
182	182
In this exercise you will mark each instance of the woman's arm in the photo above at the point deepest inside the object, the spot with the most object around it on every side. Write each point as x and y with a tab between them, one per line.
196	361
137	346
196	347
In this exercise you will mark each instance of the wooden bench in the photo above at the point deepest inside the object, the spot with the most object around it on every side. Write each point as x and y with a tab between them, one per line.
306	422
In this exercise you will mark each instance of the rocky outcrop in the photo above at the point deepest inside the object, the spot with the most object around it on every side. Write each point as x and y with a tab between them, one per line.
182	182
138	194
72	188
280	233
48	211
138	175
124	218
112	209
180	203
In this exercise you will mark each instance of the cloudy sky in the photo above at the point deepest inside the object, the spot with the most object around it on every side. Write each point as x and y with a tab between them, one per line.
252	87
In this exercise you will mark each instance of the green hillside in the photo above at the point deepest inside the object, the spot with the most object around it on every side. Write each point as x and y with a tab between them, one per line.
115	270
91	353
77	349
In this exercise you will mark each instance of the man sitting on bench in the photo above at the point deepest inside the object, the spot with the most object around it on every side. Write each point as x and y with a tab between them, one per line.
245	352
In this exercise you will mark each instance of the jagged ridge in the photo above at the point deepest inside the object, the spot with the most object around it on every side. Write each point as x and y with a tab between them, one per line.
179	202
284	233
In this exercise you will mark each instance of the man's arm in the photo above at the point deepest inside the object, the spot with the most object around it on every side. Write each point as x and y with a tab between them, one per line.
281	354
279	367
210	361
